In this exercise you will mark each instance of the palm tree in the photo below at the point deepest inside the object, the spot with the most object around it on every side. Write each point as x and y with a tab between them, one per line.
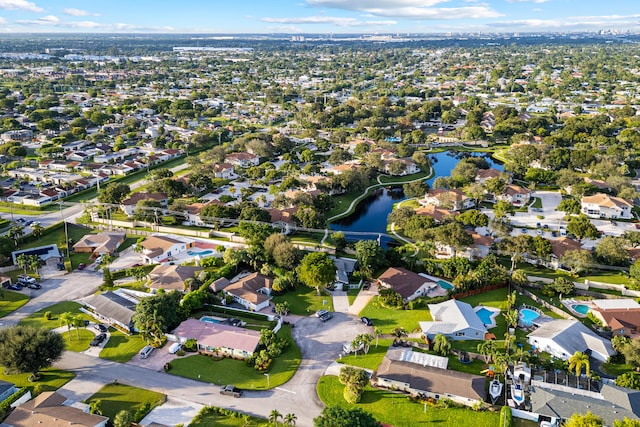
487	349
15	233
577	361
511	317
274	416
441	345
290	419
77	322
365	340
66	319
522	354
37	230
519	277
399	332
94	407
376	333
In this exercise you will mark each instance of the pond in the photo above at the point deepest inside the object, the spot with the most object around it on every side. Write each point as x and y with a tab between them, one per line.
370	216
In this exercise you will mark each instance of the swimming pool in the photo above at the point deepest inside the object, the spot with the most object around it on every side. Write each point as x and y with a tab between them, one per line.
209	319
580	308
205	252
485	315
444	285
527	316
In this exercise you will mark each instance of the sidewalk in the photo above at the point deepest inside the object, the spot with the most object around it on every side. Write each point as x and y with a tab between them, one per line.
363	298
340	301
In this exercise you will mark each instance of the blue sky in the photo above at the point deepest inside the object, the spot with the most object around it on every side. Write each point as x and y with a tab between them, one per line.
317	16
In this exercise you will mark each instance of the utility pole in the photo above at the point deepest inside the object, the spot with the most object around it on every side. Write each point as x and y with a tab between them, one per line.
66	232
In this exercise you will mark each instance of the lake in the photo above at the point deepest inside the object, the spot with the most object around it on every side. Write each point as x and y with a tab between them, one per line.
370	216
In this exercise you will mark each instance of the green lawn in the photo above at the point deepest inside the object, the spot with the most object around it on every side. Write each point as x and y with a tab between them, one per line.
57	236
304	301
616	369
388	319
208	417
121	347
37	319
50	379
397	410
78	340
115	397
613	277
237	372
370	360
537	203
11	301
352	294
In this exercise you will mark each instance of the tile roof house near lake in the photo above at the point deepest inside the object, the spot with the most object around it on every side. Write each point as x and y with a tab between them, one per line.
408	284
252	291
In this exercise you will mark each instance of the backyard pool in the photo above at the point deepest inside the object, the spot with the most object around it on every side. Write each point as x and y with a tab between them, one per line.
209	319
444	285
580	308
485	315
527	316
201	253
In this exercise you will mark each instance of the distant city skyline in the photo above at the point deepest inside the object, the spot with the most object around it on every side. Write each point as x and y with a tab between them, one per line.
317	16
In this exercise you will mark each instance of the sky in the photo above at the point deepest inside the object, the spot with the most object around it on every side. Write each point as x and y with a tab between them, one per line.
317	16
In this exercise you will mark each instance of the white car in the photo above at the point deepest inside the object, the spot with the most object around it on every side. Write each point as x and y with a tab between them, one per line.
99	259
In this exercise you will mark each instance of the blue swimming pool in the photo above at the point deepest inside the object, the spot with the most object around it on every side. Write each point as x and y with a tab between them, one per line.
444	285
209	319
580	308
205	252
527	316
485	315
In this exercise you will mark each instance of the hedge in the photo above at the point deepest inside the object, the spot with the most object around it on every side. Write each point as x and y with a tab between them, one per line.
229	310
505	417
6	404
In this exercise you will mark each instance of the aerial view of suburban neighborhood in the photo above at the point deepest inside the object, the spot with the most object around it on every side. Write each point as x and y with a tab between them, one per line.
321	213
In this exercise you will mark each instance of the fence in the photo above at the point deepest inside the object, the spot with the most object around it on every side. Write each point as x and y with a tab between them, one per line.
542	302
472	292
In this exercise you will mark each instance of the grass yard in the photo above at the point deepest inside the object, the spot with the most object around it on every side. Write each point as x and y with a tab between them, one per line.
50	379
537	203
209	418
612	277
116	397
352	294
11	301
304	301
57	236
388	319
370	360
37	319
237	372
78	340
616	369
399	411
122	347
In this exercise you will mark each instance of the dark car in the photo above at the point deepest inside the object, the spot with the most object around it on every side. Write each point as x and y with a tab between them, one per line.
81	266
13	286
366	321
34	286
366	286
326	316
230	390
98	340
101	327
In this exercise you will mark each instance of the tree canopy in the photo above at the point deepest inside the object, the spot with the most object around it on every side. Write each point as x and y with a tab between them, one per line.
29	349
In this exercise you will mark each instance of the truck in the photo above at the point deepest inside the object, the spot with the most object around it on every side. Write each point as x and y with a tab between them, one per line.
230	390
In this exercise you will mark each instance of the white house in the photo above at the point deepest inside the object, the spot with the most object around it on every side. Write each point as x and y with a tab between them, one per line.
408	284
224	171
453	199
454	319
253	291
128	205
515	194
562	338
159	248
243	160
602	205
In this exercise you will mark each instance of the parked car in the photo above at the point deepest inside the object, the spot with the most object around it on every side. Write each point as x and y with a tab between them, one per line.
24	279
366	321
98	340
230	390
326	316
98	260
321	313
366	286
146	352
34	286
13	286
81	266
175	347
101	327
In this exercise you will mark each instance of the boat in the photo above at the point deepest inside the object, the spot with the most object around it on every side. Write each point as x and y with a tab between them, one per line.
517	393
495	390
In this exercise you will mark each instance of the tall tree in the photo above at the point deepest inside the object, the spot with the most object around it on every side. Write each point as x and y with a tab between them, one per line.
577	361
369	256
113	193
581	227
316	270
336	416
586	420
28	349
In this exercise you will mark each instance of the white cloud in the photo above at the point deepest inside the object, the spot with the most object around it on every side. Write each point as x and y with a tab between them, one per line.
332	20
363	5
573	23
79	12
527	1
2	21
45	20
20	5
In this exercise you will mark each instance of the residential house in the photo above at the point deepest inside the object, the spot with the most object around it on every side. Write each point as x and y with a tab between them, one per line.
253	291
344	269
438	214
219	339
454	319
49	254
515	194
400	167
282	218
224	171
562	338
113	308
6	390
485	174
128	205
162	248
408	284
559	247
171	277
243	160
17	135
621	315
602	205
437	383
453	199
100	244
52	409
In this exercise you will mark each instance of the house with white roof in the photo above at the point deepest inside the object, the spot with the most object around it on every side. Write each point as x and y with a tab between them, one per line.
562	338
454	319
602	205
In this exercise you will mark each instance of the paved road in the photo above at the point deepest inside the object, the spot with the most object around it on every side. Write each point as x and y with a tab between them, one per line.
319	342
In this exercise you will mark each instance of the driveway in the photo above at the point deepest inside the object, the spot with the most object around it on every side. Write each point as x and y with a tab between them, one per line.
172	412
69	287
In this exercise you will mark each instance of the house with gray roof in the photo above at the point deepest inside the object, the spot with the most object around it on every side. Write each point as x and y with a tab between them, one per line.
454	319
562	338
113	309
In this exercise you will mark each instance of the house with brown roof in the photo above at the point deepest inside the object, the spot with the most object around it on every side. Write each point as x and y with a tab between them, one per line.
602	205
467	389
224	171
99	244
515	194
453	199
52	409
218	339
253	291
282	218
622	315
171	277
243	160
438	214
408	284
128	205
559	247
161	248
485	174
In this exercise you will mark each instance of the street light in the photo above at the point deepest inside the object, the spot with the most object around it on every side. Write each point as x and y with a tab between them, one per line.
268	381
66	232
